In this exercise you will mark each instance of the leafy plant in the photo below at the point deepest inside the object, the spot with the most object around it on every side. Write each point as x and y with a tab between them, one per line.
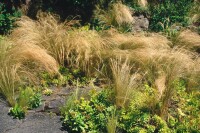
176	11
35	101
7	18
186	117
17	112
69	76
28	98
23	99
89	115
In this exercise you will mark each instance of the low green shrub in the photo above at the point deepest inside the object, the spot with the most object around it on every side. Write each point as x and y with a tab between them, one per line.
7	18
17	112
175	11
29	98
67	77
185	117
93	115
89	115
35	101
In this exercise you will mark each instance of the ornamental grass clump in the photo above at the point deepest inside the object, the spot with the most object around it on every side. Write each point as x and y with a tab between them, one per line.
117	15
189	40
74	47
19	64
124	81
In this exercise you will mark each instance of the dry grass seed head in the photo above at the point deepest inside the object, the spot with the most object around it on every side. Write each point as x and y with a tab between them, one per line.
129	42
14	68
47	33
189	39
117	15
67	45
121	14
84	48
124	81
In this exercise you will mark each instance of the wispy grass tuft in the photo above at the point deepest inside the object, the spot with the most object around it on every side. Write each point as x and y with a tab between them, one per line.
189	40
20	63
69	46
124	81
117	15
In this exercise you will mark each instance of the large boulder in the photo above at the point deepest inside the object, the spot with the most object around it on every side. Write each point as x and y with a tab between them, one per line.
141	23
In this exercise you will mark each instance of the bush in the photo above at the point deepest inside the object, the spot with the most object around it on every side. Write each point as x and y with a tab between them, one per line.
93	115
175	11
17	112
186	117
88	115
7	18
28	98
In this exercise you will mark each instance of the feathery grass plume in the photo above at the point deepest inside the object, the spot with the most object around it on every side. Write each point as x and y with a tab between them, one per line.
189	40
124	81
118	15
165	65
19	63
159	63
193	80
84	48
46	33
128	41
195	12
124	45
69	46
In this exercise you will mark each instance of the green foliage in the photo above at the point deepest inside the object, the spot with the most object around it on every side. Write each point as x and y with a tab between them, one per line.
7	18
70	102
99	114
35	101
24	96
98	25
174	11
89	115
112	122
29	98
93	115
186	117
68	76
137	121
17	112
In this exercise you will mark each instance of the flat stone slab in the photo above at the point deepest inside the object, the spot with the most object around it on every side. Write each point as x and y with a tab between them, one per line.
34	122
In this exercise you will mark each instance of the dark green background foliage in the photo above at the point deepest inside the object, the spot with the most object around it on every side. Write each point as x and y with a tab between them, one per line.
8	16
65	8
175	10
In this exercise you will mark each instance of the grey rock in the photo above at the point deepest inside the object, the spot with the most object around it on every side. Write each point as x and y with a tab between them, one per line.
141	23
